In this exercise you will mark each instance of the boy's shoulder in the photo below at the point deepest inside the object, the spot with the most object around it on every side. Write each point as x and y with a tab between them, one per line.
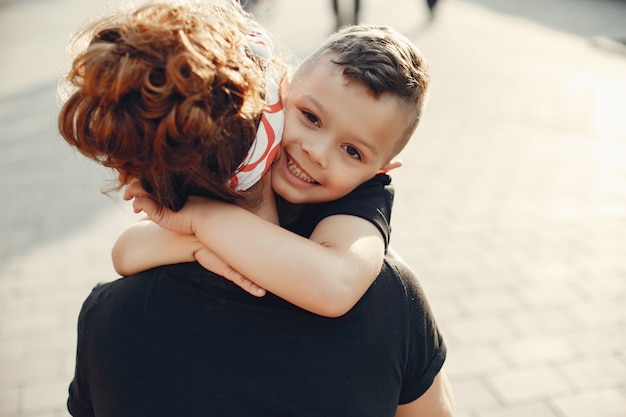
372	201
378	180
377	189
377	192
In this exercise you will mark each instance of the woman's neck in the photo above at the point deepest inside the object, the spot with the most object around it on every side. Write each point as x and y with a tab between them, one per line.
261	202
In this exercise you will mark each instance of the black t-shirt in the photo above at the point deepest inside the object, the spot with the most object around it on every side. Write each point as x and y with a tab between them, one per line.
372	200
180	341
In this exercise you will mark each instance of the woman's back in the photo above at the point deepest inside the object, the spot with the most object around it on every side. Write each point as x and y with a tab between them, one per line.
177	340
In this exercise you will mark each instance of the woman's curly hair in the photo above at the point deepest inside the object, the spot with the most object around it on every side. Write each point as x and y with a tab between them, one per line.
166	94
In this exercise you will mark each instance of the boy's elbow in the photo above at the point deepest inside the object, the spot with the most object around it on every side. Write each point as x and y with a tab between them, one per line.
340	297
332	312
120	265
338	288
121	269
336	304
117	264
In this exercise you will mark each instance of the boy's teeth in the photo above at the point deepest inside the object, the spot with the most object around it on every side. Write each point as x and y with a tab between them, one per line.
295	170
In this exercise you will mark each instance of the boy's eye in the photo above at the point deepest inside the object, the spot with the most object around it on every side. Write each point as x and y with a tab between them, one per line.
311	117
352	152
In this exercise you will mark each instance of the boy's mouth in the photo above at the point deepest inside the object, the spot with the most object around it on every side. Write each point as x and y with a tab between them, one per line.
297	171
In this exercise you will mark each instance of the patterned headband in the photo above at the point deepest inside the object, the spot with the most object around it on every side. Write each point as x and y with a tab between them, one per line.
269	134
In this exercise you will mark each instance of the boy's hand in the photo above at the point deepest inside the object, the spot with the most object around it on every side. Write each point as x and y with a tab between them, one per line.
134	190
179	222
215	264
182	222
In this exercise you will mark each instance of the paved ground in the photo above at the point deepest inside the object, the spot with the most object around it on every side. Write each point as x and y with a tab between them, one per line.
511	205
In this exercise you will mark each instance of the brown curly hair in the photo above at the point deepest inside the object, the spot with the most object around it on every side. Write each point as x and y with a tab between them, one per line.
166	94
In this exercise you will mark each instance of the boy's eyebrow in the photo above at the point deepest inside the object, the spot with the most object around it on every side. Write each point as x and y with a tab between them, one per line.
322	109
317	103
367	145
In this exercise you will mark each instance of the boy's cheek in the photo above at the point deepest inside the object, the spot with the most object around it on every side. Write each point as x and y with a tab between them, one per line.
279	153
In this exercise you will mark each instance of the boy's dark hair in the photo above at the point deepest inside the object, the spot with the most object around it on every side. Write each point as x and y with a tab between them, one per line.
385	61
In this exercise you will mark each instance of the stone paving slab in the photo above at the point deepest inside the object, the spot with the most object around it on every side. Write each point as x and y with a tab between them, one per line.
511	206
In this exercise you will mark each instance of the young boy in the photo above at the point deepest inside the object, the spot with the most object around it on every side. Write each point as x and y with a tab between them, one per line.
350	108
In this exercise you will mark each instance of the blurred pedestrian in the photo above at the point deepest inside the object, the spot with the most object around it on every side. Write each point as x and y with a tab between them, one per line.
431	7
250	5
247	4
341	20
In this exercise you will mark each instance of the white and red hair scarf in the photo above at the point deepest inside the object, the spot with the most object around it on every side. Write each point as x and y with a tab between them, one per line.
269	134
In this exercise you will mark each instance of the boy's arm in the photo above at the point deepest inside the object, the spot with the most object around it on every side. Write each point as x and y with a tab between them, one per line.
354	250
145	245
326	274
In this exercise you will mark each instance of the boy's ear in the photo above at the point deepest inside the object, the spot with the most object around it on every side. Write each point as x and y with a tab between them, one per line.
393	164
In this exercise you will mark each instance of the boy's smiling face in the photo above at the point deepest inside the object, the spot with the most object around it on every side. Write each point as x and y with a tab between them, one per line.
337	135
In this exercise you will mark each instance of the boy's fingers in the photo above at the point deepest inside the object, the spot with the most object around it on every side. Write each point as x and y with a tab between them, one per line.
133	190
245	283
138	205
148	206
213	263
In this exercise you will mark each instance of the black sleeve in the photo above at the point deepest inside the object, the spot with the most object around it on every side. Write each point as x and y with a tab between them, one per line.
79	403
74	405
427	350
372	201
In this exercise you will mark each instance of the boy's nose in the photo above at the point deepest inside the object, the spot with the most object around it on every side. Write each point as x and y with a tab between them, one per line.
316	151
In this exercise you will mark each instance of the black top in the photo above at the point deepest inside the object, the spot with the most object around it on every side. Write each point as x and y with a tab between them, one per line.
179	341
372	200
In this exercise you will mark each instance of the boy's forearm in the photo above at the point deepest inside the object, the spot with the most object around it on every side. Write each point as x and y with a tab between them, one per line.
318	277
145	245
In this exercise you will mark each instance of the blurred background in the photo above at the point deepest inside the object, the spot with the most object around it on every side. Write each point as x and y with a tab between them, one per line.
511	205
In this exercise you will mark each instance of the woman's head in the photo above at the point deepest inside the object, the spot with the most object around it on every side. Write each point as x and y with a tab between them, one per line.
166	94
